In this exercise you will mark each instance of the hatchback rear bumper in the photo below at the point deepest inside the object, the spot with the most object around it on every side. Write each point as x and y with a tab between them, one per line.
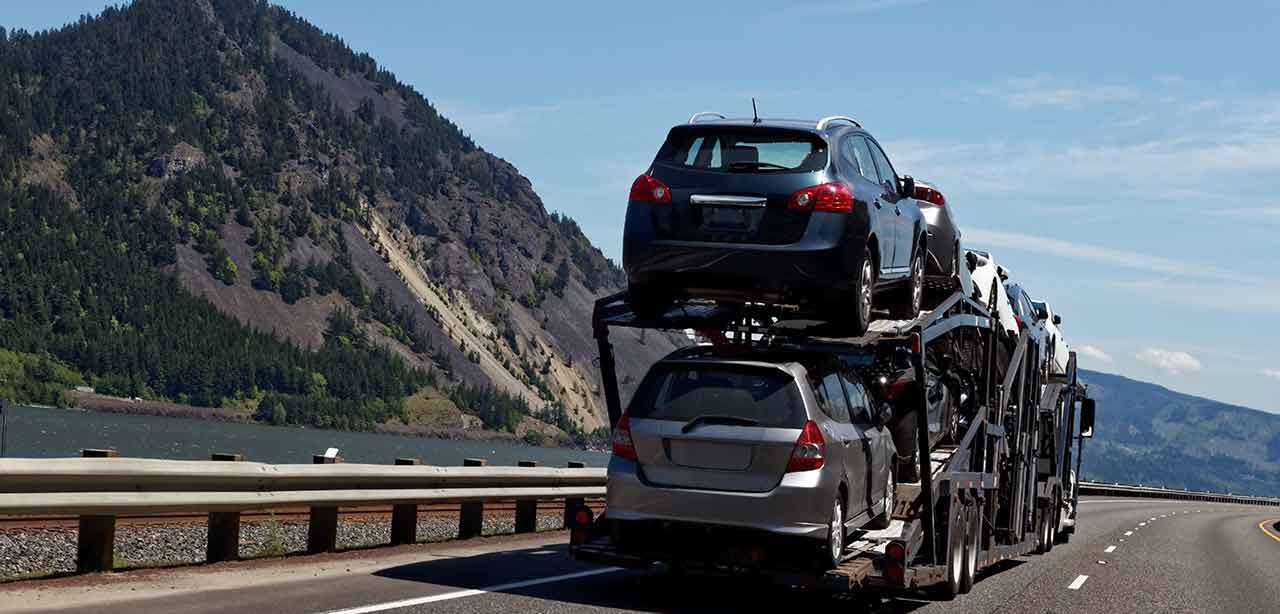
798	507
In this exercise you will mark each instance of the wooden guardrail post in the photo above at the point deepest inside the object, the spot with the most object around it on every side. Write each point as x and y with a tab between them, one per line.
322	528
96	540
404	516
572	503
527	509
224	527
471	517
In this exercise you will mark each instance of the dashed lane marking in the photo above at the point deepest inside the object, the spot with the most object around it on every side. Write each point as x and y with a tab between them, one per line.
1128	533
1077	583
1110	549
405	603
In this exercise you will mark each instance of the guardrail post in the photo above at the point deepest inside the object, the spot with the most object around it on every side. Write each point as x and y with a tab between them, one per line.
404	516
96	539
572	503
527	509
322	529
224	527
471	518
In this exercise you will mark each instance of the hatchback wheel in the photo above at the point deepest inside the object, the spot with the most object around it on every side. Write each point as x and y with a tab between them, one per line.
885	517
835	536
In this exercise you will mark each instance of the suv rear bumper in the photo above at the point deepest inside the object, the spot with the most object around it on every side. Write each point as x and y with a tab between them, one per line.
797	507
822	264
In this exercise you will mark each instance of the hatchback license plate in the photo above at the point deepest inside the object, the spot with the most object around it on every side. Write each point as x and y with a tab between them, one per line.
728	218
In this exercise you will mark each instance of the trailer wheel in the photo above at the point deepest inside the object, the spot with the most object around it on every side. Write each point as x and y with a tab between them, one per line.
972	544
956	533
1044	534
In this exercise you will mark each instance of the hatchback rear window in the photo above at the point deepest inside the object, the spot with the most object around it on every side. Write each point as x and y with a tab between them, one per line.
744	150
684	391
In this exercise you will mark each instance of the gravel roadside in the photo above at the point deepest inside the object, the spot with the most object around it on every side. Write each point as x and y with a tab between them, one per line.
39	552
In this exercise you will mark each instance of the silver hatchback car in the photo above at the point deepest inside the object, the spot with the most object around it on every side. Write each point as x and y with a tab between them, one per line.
788	447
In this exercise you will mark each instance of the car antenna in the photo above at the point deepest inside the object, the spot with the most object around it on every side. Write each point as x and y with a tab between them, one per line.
755	115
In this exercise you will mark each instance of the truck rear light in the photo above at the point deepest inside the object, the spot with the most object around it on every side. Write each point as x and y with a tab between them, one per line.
895	561
810	451
623	447
930	195
833	197
647	189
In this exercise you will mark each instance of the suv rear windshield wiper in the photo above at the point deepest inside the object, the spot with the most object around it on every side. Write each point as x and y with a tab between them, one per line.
755	166
717	419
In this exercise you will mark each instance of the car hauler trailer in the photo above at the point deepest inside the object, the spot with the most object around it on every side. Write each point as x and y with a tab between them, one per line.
998	488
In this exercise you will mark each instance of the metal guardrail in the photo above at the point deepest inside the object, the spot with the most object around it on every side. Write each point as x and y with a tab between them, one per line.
1128	490
101	488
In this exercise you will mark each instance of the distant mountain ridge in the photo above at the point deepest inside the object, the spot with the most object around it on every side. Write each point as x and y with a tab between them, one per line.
306	194
1154	436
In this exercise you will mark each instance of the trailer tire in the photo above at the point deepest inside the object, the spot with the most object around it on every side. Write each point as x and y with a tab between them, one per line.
1044	535
956	538
972	542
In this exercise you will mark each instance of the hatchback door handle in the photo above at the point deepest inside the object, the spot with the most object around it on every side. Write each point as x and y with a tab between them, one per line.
878	205
897	210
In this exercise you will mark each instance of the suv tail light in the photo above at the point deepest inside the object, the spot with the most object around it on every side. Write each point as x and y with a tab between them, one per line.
623	447
810	451
931	195
833	197
647	189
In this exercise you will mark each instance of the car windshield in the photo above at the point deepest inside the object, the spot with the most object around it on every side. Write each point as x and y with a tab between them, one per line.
685	391
744	150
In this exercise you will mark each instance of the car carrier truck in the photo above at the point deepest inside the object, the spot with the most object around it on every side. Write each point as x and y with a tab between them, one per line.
1002	486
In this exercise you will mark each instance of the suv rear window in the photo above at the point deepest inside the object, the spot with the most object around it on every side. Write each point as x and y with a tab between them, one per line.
684	391
744	150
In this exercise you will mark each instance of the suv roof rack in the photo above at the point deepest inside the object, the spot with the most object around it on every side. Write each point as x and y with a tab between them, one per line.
696	116
822	123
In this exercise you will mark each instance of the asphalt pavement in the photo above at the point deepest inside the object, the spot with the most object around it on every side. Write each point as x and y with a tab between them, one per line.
1127	555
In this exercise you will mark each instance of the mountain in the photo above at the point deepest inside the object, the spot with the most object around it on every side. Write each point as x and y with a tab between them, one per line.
214	202
1151	435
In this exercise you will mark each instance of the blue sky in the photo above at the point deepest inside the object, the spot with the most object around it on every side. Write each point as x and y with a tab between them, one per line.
1120	158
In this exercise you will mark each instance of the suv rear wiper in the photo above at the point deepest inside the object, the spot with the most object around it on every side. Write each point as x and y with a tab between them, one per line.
715	419
746	166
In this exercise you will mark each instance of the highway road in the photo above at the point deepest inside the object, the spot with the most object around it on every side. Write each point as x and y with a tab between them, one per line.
1127	555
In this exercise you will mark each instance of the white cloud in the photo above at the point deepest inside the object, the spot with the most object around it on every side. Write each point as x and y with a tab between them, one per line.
1104	255
1272	373
1096	354
1044	91
1168	360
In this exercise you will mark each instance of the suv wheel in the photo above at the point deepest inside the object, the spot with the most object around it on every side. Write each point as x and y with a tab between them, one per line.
863	288
911	296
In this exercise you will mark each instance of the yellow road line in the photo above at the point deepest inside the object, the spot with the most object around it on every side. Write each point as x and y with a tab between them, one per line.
1263	525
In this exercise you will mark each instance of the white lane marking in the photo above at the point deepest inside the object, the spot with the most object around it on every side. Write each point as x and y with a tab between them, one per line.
1151	519
1128	533
1110	549
1142	524
405	603
1077	583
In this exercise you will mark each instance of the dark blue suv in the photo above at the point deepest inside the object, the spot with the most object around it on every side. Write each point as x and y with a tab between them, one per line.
802	213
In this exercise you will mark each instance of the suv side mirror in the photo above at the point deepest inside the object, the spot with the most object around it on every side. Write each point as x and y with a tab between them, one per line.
1087	409
1057	319
908	186
971	259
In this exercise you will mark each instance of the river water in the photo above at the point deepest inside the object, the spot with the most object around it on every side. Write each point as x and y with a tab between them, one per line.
37	432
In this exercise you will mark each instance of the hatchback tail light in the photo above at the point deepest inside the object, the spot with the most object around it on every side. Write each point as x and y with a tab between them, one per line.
833	197
623	447
929	194
810	451
647	189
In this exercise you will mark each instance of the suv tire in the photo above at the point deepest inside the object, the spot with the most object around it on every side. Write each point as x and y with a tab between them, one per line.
909	297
